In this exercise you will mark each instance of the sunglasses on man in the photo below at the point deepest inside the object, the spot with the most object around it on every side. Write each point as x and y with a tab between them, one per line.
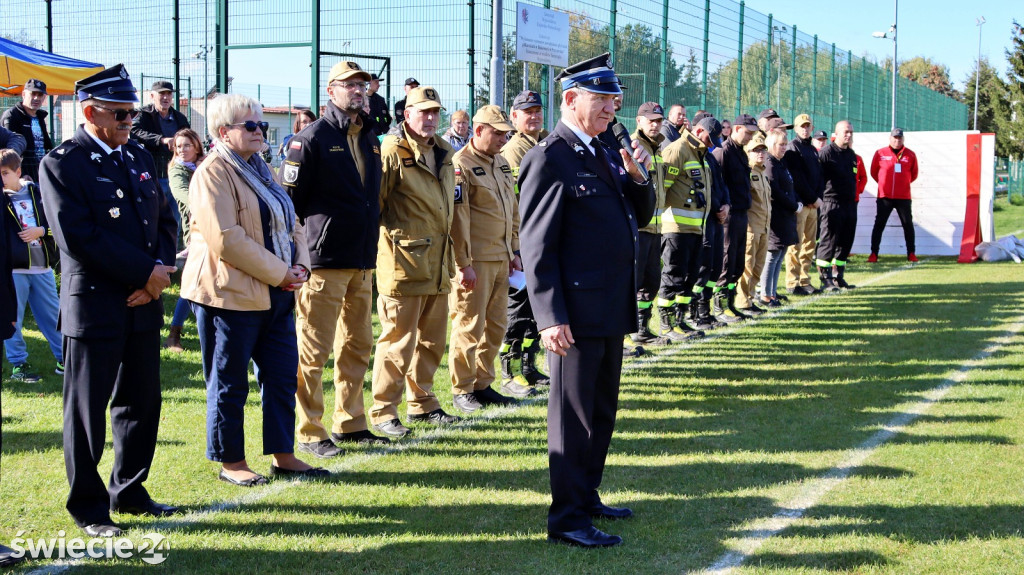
120	115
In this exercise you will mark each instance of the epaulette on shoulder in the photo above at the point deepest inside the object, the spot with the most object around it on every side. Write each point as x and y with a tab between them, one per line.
136	144
551	141
65	147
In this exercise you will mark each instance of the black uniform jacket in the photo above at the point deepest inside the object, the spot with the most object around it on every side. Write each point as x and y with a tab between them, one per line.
146	129
736	173
839	169
111	224
340	211
8	295
802	161
17	120
579	235
379	115
784	203
719	190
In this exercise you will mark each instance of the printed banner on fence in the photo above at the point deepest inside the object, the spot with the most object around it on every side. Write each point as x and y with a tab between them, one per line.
542	35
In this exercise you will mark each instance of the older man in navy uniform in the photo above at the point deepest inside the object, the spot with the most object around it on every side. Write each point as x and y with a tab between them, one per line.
581	204
115	231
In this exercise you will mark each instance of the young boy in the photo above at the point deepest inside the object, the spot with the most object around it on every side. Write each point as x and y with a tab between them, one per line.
33	253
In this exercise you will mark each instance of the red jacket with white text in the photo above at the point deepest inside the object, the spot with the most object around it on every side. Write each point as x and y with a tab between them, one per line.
894	171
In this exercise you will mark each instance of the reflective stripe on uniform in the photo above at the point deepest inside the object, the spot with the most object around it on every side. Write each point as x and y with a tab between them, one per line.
685	217
823	263
838	263
644	304
662	302
683	299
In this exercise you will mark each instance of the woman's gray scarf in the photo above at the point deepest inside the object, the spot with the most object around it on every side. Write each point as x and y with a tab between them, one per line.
282	212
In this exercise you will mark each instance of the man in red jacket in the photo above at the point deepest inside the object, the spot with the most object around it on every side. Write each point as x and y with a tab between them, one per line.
894	168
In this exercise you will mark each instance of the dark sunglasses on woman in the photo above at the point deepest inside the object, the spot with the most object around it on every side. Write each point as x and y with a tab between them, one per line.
251	126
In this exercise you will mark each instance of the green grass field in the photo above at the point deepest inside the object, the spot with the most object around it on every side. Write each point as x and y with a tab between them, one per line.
713	440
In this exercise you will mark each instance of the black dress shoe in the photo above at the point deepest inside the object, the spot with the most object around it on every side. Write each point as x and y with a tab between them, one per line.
392	428
251	482
466	402
437	417
602	511
150	507
588	537
363	437
311	473
103	529
323	449
488	396
7	557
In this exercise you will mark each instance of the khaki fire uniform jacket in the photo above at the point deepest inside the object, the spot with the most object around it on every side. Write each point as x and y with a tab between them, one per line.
687	186
759	216
414	253
485	226
516	147
657	171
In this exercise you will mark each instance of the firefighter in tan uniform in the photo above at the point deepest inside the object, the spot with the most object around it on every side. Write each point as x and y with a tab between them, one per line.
687	189
485	236
649	119
759	218
414	266
521	340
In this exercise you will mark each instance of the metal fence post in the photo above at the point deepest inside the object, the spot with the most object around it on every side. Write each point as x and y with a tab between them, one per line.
739	64
471	56
704	68
177	53
314	78
222	47
792	78
814	80
768	67
832	96
663	69
612	11
497	57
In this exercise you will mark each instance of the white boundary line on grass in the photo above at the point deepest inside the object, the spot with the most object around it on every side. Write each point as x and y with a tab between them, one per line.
814	490
278	486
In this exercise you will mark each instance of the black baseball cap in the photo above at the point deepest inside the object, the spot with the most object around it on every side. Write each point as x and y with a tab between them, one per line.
412	82
896	133
747	121
162	86
701	115
651	111
525	100
33	85
714	129
767	113
820	135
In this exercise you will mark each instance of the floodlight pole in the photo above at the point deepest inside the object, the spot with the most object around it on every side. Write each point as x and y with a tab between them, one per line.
497	58
977	75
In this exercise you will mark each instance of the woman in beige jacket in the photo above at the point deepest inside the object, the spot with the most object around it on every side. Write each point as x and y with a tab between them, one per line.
247	254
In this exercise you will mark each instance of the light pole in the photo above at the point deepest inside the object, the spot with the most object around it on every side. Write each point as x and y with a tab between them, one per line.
778	83
891	34
977	75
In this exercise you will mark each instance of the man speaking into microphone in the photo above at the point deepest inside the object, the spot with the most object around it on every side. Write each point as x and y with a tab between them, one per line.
581	203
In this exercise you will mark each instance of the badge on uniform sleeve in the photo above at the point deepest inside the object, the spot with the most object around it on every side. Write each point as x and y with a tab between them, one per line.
458	194
295	145
115	212
291	173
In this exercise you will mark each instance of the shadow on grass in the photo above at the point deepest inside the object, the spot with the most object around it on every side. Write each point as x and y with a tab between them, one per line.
824	561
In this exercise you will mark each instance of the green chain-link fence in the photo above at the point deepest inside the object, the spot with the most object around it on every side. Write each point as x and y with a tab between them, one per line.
707	54
1009	174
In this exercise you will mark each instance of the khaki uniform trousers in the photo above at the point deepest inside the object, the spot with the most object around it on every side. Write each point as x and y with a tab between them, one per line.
753	266
800	256
479	319
333	314
408	353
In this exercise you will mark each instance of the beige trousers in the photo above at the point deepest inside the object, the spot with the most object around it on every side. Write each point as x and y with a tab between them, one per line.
800	256
408	353
753	265
479	318
333	314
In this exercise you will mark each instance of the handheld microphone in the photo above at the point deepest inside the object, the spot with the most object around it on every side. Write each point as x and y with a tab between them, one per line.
622	135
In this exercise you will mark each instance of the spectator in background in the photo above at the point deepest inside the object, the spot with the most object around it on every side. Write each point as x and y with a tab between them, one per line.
247	257
155	128
29	120
458	133
726	127
188	154
673	127
894	168
302	119
379	115
33	254
819	139
785	207
410	85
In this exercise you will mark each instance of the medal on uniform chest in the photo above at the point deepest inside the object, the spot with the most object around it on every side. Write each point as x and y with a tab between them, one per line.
115	212
120	194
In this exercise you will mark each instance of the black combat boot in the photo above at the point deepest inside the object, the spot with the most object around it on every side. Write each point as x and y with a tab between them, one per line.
719	305
828	285
837	272
644	335
732	305
529	370
681	326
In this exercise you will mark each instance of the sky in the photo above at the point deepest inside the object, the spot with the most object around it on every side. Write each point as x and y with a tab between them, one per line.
943	30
